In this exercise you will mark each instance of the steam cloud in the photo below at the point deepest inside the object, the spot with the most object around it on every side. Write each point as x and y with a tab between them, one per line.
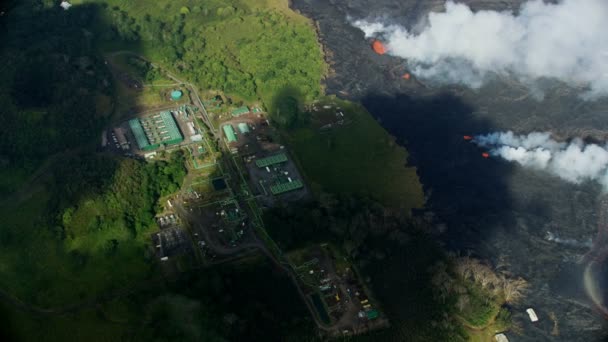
574	161
568	242
567	41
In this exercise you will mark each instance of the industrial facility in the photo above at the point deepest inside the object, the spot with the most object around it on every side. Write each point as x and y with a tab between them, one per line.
155	131
276	176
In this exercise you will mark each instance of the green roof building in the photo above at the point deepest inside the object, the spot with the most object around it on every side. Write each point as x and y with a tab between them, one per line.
276	159
140	135
240	111
154	131
229	132
372	314
281	188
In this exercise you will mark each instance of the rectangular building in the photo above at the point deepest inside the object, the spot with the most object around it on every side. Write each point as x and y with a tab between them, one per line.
275	159
280	188
156	130
229	132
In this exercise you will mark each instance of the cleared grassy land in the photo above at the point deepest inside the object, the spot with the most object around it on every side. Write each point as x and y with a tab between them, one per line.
358	158
131	100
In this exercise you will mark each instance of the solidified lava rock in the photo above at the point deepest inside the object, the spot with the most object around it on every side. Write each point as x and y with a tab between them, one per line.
497	210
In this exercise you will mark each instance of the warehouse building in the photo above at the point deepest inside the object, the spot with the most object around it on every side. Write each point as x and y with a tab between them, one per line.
229	132
155	131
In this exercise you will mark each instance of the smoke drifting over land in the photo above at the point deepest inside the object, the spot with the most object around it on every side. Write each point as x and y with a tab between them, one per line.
574	161
566	41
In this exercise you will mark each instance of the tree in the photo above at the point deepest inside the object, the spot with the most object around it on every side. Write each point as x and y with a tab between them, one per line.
285	111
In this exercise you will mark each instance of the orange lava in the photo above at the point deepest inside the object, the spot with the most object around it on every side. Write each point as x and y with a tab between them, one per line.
378	47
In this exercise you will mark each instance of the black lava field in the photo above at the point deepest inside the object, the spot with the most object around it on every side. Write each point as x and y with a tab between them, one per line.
538	226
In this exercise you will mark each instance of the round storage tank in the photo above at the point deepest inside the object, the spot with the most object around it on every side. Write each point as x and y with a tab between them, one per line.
176	95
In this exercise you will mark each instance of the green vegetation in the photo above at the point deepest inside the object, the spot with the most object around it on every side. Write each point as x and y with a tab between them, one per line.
140	69
285	109
139	87
393	251
343	219
86	231
477	310
231	302
357	158
476	295
76	232
52	79
249	49
402	278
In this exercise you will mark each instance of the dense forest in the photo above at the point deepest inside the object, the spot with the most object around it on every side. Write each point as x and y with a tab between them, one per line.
52	78
98	210
125	203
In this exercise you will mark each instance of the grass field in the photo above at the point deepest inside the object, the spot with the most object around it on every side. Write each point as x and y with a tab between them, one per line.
359	158
133	100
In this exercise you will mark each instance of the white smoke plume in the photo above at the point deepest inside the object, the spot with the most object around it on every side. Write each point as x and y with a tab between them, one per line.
568	242
566	41
574	161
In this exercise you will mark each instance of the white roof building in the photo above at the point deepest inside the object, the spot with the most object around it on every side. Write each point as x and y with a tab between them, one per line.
501	338
532	314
